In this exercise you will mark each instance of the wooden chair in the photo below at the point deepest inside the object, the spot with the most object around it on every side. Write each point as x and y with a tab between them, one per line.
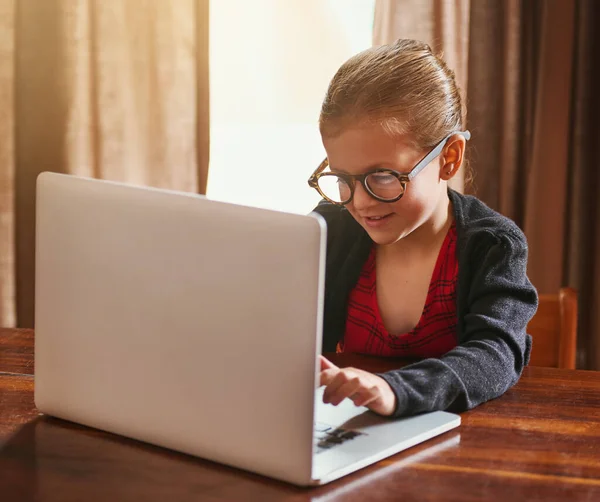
554	330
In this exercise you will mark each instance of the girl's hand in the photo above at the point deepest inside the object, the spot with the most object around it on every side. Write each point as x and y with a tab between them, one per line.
361	387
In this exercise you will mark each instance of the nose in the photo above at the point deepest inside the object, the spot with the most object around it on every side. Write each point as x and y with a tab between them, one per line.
361	199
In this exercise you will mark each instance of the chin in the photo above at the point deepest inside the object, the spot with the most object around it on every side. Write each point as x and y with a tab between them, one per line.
385	238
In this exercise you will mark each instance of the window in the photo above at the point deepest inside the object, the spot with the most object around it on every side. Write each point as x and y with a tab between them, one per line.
270	64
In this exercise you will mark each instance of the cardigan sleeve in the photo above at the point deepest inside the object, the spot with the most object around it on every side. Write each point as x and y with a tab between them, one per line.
494	346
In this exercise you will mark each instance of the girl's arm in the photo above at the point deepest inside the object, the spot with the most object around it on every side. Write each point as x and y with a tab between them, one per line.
494	346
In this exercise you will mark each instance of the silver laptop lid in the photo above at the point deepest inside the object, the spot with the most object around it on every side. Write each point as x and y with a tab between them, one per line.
184	322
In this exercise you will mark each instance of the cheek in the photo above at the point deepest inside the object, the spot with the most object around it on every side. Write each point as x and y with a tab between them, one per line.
425	189
411	207
419	200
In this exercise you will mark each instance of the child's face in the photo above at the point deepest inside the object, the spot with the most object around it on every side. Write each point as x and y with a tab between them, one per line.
359	150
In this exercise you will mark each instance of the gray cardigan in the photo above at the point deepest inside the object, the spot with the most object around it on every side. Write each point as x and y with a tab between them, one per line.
495	301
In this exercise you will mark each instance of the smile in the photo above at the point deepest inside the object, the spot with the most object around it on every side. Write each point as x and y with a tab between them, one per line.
377	221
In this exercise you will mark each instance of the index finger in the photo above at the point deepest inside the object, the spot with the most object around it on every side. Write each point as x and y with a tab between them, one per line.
326	364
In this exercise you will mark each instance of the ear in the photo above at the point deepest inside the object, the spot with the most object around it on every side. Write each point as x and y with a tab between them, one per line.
452	156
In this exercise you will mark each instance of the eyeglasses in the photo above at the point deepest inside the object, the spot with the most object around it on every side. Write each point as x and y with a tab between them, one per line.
384	185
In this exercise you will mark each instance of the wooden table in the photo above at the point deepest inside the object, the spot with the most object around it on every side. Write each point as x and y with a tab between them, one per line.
540	441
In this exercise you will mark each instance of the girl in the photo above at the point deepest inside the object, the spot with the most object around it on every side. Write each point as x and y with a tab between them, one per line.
414	269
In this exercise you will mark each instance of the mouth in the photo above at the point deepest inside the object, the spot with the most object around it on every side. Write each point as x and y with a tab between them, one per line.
375	218
377	221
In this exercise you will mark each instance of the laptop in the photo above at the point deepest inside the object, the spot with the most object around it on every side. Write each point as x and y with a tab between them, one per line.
195	325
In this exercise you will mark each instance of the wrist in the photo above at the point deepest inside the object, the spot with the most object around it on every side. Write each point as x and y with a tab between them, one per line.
399	396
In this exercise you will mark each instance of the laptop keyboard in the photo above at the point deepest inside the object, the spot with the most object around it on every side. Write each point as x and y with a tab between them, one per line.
326	436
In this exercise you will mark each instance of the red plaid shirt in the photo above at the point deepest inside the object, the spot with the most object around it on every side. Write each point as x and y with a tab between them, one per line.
435	333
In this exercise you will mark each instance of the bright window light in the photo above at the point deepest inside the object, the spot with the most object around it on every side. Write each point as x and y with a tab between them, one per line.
270	64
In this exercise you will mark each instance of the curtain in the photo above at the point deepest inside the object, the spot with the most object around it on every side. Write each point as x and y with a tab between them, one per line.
530	76
581	239
7	171
107	89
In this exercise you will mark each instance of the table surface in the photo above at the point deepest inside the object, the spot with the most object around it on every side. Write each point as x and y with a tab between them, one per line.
540	441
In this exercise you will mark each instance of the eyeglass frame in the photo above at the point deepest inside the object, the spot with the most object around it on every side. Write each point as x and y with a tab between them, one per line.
403	178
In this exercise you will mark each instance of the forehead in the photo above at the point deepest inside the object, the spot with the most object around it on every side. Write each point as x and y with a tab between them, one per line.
358	149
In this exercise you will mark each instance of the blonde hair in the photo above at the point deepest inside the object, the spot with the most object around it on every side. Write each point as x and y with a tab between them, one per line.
403	87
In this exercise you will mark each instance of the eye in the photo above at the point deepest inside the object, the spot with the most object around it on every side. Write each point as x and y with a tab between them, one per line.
382	179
